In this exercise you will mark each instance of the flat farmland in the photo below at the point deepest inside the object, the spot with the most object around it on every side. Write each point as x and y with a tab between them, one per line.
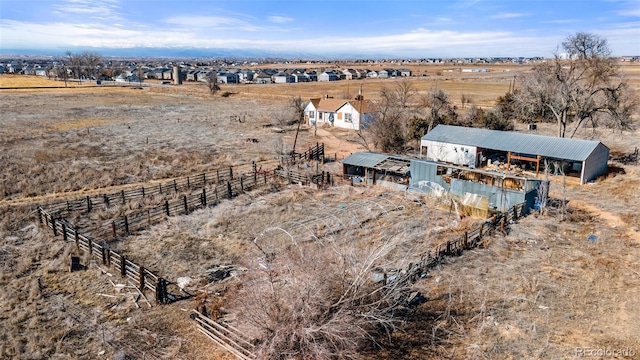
540	291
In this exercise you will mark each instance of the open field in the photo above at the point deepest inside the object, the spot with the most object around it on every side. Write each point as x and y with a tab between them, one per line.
541	291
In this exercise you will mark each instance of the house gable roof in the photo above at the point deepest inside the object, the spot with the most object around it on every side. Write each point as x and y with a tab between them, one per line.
330	105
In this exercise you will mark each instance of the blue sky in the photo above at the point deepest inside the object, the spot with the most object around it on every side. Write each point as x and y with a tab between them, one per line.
401	28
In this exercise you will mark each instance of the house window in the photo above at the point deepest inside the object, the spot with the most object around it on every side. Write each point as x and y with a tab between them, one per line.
441	170
311	114
347	117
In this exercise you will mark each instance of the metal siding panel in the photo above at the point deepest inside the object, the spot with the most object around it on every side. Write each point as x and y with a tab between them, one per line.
596	164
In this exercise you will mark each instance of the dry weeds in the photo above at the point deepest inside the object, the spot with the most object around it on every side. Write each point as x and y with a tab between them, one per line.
537	293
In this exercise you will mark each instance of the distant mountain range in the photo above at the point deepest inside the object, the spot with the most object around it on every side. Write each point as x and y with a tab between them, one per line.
171	52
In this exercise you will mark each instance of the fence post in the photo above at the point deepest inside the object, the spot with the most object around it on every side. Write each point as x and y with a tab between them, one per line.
126	224
113	228
160	185
166	207
123	267
108	257
143	191
68	206
175	185
75	236
449	247
204	179
218	176
229	192
255	170
90	243
515	212
64	231
104	256
105	198
188	183
231	172
40	214
88	204
241	184
480	233
184	201
141	278
216	191
123	198
466	238
265	177
55	230
161	291
204	197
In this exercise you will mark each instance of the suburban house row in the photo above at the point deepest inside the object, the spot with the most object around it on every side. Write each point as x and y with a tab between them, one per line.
273	76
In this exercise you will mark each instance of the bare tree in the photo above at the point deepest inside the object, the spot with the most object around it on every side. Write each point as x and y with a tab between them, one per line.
404	91
585	88
298	307
439	108
212	82
388	127
297	104
92	63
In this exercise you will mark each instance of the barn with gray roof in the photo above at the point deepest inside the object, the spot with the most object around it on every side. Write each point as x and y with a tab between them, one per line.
474	147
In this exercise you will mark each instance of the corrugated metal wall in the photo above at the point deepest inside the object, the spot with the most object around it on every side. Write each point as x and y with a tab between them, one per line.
596	164
424	178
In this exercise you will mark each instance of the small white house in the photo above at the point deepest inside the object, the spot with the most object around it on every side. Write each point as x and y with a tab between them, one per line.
342	113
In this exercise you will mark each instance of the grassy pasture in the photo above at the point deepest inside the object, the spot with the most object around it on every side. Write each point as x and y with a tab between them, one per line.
539	292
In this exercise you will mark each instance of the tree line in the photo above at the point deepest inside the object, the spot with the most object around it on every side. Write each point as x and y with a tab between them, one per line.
581	86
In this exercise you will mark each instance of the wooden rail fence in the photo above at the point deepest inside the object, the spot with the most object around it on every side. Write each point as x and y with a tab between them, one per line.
232	340
313	153
188	203
225	336
166	188
98	250
469	240
223	185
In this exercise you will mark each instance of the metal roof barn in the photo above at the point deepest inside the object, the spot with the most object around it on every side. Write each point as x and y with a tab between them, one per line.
591	155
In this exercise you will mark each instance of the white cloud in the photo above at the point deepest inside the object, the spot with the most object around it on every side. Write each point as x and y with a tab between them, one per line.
280	19
633	12
102	9
442	19
561	21
508	15
194	32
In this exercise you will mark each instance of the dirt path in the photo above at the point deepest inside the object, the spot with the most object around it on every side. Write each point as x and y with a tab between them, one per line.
334	145
611	219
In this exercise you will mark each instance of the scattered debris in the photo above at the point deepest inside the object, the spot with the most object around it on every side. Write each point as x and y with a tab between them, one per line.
221	272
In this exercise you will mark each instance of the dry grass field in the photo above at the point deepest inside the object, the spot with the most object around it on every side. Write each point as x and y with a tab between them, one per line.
542	291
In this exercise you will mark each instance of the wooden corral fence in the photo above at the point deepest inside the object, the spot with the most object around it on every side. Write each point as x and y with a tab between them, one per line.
292	177
215	186
313	153
188	203
166	188
232	340
225	336
141	277
469	240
